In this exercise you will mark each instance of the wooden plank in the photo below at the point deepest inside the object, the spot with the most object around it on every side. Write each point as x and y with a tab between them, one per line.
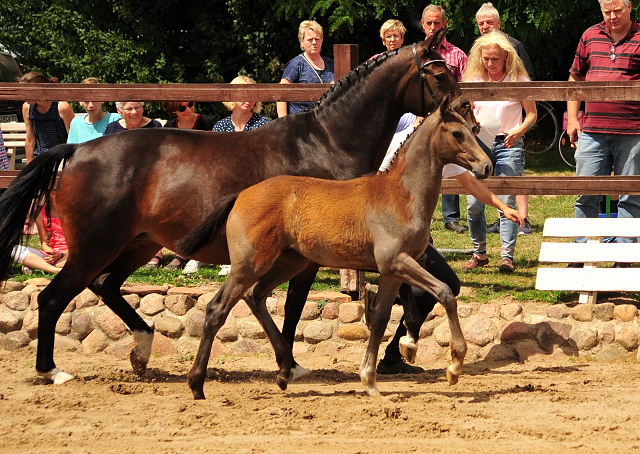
589	279
512	91
552	185
6	177
12	127
589	252
591	227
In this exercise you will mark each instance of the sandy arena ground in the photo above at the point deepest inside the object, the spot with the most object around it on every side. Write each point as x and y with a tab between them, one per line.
546	406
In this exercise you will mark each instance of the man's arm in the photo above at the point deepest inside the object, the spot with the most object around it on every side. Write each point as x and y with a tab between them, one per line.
573	127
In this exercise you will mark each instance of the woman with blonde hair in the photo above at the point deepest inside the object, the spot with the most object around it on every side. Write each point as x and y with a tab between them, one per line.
494	59
392	34
244	114
307	68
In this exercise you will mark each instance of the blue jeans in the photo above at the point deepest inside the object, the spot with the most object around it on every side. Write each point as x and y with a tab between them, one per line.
507	162
450	208
596	155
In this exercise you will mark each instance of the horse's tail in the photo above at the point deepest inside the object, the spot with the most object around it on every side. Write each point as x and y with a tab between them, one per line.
24	197
208	229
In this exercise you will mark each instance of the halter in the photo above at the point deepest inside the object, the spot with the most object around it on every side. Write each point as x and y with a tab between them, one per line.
423	76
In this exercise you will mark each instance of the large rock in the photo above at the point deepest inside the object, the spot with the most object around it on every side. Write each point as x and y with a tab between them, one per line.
335	297
17	301
489	310
628	338
245	347
528	350
428	327
551	334
81	326
442	334
310	310
514	331
144	290
122	348
584	339
152	304
66	344
250	330
111	324
330	311
30	324
95	342
228	331
353	332
63	325
465	310
625	312
583	312
351	312
169	326
195	292
204	300
499	352
508	311
179	304
241	310
11	286
480	330
86	298
272	305
133	300
318	331
558	311
604	311
607	334
195	323
8	321
162	346
15	340
30	288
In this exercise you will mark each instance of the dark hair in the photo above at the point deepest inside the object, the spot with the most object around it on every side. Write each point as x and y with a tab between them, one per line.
36	77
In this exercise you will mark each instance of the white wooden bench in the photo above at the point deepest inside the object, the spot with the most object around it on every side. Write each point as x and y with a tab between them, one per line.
14	134
592	278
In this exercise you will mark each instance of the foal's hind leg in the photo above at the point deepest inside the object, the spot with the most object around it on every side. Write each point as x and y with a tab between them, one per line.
380	318
107	286
408	344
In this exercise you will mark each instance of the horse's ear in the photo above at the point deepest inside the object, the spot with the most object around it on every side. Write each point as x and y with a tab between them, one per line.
446	102
435	40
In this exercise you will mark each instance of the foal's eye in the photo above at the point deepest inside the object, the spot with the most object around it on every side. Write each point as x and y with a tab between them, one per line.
457	135
441	77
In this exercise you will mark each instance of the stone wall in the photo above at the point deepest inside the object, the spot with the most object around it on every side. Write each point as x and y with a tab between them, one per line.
330	321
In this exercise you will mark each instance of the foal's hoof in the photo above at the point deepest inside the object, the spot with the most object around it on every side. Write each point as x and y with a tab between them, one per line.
298	372
451	378
139	365
408	349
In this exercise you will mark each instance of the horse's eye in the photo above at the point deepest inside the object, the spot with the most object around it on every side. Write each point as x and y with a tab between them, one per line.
441	77
457	135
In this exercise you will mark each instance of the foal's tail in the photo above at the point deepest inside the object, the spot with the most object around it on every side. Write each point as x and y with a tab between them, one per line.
25	196
208	229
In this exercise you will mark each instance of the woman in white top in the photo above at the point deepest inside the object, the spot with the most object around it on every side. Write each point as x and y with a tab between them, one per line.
494	59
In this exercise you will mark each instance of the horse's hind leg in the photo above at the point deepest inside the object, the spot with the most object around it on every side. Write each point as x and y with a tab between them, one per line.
299	287
107	286
408	344
380	318
52	302
289	264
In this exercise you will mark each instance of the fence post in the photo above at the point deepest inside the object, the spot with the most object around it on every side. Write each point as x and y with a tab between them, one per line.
345	58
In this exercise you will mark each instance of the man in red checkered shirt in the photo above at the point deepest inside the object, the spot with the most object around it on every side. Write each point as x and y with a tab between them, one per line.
433	19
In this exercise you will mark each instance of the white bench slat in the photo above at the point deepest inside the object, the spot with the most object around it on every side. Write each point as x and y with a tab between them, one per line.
589	252
589	279
591	227
13	134
13	127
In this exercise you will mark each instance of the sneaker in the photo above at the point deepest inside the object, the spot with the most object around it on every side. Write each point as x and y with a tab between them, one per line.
454	227
474	263
398	368
494	228
176	263
506	266
526	228
191	267
224	270
26	270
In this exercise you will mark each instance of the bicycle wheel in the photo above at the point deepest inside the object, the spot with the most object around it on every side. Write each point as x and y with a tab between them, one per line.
566	150
544	134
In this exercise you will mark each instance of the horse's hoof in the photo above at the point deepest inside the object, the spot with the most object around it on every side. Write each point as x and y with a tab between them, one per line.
408	349
282	383
198	395
139	356
56	376
452	379
139	365
298	372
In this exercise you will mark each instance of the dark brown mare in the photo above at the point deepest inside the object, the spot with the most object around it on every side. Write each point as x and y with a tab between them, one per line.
122	197
379	223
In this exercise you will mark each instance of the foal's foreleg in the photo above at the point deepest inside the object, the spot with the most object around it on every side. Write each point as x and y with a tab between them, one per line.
380	318
407	269
216	314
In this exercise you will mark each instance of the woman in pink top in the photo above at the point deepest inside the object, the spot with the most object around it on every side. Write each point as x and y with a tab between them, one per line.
494	59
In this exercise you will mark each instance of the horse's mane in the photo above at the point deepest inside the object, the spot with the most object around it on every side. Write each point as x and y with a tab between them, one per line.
361	71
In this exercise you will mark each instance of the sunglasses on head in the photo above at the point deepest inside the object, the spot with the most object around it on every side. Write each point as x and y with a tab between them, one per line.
183	108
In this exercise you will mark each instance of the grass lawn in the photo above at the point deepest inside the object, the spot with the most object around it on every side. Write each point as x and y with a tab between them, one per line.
487	283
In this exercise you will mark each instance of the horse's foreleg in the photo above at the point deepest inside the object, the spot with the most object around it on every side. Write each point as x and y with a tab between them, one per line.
408	344
380	318
299	287
216	314
407	269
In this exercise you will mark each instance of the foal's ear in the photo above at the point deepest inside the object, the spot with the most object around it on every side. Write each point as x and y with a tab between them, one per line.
446	102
